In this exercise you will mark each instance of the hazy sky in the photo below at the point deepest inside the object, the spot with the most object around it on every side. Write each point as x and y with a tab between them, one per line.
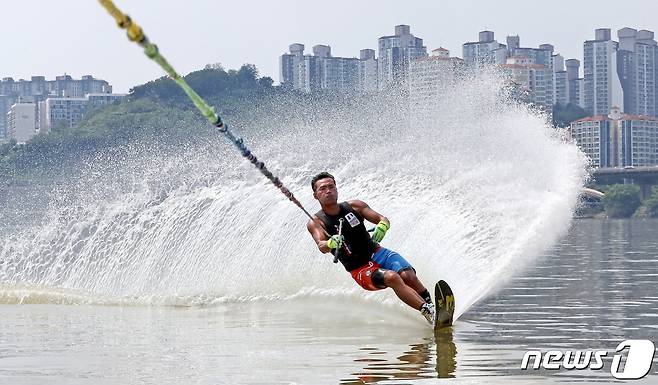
45	37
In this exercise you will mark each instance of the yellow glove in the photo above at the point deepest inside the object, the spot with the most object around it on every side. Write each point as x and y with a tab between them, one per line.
380	231
335	242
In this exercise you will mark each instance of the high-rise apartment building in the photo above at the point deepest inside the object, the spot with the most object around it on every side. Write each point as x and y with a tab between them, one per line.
430	81
560	81
618	140
322	71
534	80
486	51
513	43
38	89
539	56
5	104
367	82
603	90
395	54
60	113
637	67
575	82
336	73
542	55
63	86
528	65
21	122
289	65
308	74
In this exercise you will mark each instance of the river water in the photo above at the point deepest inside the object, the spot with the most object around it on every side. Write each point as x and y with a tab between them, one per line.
590	292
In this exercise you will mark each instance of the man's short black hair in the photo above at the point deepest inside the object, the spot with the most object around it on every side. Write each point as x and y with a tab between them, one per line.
321	175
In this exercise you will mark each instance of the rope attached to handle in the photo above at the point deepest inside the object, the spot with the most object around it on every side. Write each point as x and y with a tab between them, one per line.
136	34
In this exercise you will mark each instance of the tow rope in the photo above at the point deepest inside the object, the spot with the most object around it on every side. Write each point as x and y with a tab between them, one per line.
136	34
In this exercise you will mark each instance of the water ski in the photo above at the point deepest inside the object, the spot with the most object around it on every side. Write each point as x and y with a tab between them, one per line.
445	305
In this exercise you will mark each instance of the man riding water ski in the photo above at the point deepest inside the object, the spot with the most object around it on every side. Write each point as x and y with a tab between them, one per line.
372	266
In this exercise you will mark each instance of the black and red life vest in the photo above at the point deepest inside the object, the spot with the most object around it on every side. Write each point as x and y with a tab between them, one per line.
360	247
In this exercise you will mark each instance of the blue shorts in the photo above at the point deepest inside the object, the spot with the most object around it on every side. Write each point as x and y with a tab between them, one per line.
390	260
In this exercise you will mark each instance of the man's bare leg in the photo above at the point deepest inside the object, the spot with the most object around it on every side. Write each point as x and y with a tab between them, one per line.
411	279
406	293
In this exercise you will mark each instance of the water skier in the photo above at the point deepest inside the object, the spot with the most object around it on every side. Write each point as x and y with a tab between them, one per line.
373	267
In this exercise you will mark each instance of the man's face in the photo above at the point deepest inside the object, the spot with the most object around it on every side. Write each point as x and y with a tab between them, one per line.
325	191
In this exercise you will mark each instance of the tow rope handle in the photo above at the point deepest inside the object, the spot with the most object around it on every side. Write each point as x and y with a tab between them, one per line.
340	232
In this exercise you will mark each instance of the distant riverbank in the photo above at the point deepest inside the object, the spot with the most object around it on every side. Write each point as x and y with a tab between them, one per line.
624	201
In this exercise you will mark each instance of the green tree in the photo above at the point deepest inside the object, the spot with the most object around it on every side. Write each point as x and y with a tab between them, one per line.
211	82
5	148
266	82
652	203
621	200
248	73
564	115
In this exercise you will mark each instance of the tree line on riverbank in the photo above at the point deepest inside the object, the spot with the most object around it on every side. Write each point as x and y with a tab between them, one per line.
623	201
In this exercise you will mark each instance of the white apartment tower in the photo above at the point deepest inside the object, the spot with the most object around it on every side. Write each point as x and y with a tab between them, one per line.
322	71
62	113
533	79
603	90
21	121
618	140
37	89
539	56
560	81
395	53
637	67
289	65
367	82
576	83
486	51
430	81
5	104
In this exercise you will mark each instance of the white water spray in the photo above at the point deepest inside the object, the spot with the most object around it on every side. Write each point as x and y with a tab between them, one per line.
472	196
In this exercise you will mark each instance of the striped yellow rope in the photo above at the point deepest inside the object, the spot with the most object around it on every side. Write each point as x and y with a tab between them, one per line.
136	34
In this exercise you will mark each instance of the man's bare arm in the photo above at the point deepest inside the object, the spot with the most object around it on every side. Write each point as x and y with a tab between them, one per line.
369	214
318	234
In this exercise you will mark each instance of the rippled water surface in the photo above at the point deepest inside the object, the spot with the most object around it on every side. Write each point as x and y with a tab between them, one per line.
595	289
